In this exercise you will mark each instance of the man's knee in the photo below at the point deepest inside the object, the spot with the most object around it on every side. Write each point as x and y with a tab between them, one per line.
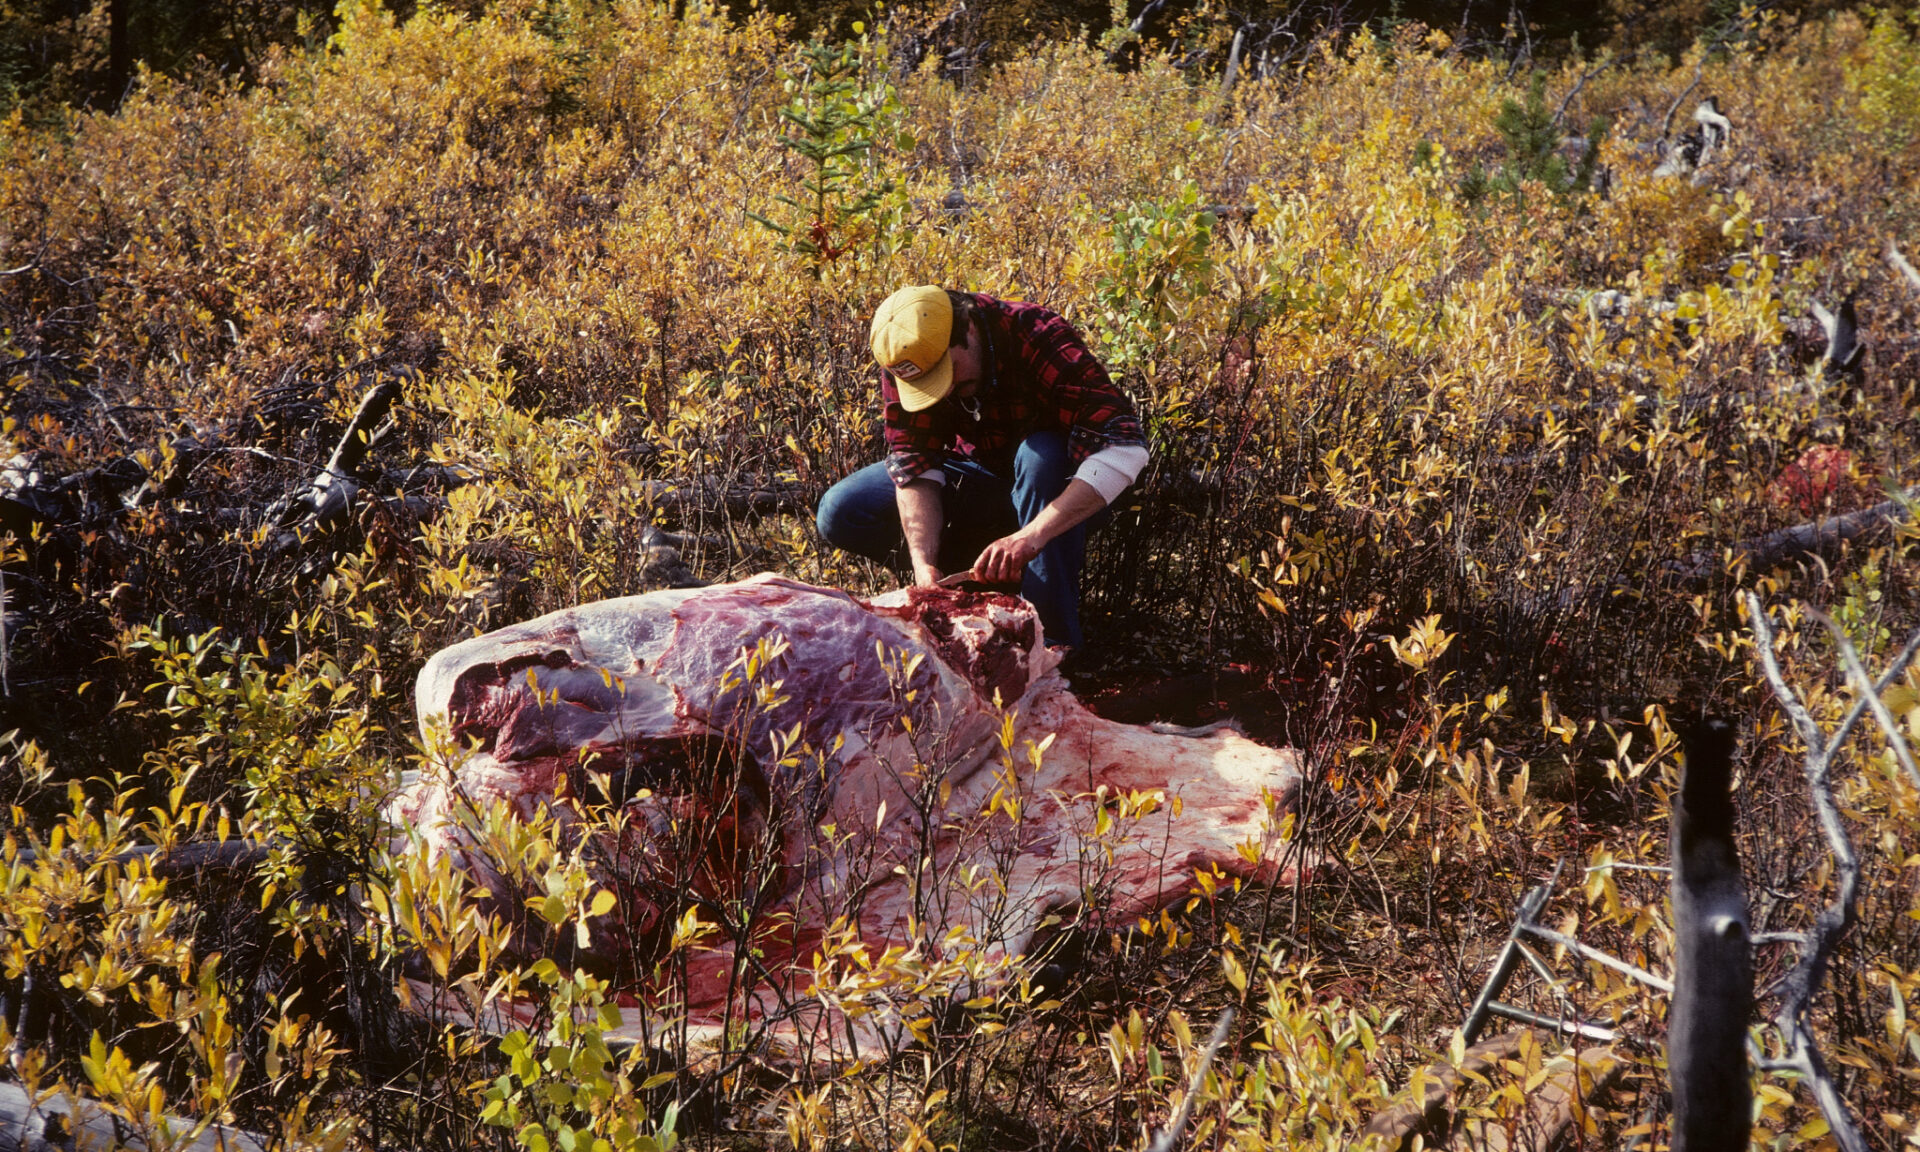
859	515
840	519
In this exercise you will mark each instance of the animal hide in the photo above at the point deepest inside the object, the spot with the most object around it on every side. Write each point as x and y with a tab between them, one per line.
828	782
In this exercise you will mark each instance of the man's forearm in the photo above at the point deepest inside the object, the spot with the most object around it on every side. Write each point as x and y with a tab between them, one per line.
1005	558
921	514
1073	506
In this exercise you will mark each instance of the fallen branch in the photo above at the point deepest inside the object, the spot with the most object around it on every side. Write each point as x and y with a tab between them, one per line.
1509	959
709	494
1587	952
59	1122
1814	538
326	500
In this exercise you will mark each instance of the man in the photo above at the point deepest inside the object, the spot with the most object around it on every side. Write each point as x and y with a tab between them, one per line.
1004	435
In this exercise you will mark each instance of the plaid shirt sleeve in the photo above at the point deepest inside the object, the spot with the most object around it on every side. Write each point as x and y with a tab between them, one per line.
915	443
1093	410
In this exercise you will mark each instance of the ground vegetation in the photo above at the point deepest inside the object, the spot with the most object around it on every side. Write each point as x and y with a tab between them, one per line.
1480	387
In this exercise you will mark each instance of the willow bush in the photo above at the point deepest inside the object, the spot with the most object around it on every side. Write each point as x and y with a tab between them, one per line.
1456	474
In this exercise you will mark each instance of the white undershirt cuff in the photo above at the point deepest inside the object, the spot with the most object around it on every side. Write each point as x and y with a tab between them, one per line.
1111	469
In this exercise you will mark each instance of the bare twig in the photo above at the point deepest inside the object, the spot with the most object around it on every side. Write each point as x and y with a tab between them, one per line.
1666	124
1170	1136
1598	957
1601	65
6	688
1736	28
1803	983
1870	692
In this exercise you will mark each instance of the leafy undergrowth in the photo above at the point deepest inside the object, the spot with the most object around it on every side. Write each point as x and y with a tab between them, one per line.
1460	438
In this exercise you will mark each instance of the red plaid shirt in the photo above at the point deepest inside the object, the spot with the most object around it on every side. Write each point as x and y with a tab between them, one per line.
1039	376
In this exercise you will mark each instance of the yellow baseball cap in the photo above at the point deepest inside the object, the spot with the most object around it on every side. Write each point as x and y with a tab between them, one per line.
910	336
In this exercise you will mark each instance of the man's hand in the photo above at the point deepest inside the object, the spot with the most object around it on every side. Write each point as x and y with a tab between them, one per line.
1006	559
926	575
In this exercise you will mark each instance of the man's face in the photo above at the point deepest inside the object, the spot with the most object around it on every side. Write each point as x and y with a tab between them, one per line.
966	367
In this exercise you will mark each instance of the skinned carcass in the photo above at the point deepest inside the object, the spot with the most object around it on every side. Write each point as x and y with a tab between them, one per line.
819	781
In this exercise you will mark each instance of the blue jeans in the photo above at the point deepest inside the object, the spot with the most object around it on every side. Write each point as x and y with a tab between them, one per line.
860	515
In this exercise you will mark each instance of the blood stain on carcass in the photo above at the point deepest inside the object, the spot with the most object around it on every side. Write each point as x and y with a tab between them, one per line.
990	650
855	845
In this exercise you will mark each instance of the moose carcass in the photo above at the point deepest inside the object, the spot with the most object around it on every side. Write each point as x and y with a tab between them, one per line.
811	773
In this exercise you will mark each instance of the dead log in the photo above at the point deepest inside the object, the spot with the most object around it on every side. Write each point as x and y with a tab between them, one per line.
1819	537
1713	955
327	498
1428	1114
1574	1083
1233	64
61	1123
1842	329
712	495
182	860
